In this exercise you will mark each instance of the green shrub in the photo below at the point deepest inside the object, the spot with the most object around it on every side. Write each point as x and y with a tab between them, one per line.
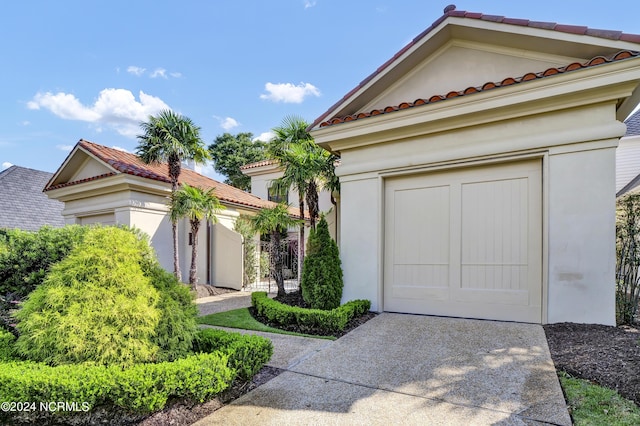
628	258
6	345
321	272
142	387
94	305
312	321
26	257
247	353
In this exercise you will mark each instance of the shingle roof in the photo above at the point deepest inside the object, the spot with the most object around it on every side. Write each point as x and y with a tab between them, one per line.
125	162
450	11
633	124
598	60
22	202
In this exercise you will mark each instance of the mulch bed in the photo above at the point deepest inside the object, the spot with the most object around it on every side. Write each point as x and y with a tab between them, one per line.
608	356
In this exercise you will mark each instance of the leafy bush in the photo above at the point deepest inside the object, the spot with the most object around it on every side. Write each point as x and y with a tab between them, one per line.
6	345
142	387
628	258
321	273
94	305
26	257
312	321
247	353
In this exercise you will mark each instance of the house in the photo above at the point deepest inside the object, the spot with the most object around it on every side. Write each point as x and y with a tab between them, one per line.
264	172
22	203
478	170
628	157
103	185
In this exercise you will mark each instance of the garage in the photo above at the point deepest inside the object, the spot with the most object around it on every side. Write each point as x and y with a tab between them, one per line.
465	243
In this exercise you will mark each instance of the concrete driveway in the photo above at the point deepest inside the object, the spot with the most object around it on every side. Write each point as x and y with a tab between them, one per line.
411	369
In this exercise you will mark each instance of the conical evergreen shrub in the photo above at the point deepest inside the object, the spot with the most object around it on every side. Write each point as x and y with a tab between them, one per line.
322	271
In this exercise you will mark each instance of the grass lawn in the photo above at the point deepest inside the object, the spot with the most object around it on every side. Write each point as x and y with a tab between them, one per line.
595	405
242	319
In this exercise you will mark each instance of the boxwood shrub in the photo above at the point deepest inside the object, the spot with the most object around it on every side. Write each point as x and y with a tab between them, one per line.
247	353
6	345
142	388
315	321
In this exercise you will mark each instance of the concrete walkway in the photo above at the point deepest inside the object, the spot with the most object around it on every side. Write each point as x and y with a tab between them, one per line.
409	369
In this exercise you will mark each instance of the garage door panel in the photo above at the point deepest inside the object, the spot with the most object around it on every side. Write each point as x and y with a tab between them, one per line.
466	243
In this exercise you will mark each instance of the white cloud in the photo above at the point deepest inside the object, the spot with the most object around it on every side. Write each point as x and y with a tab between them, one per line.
6	165
64	147
288	92
115	108
25	123
175	74
265	137
136	70
159	72
120	148
309	3
227	123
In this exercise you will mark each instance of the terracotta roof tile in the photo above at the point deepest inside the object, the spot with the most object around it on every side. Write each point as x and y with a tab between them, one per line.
125	162
258	164
450	11
509	81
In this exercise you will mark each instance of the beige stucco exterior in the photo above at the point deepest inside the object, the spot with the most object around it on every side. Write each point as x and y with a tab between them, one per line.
138	202
569	124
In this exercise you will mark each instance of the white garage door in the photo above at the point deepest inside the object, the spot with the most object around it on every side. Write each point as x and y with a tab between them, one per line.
466	243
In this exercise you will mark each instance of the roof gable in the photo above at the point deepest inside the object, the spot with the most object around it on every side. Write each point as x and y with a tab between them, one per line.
80	164
545	42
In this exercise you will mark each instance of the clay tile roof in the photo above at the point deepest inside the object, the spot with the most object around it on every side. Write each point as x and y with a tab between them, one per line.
258	164
509	81
125	162
450	11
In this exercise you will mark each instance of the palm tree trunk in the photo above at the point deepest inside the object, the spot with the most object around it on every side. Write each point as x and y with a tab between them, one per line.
277	262
176	260
193	278
312	203
301	242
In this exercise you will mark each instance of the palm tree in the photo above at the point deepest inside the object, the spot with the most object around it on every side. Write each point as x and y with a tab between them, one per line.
274	221
172	138
195	204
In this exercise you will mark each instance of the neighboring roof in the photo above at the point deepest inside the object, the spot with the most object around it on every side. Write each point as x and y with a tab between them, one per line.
22	203
324	119
258	164
633	124
125	162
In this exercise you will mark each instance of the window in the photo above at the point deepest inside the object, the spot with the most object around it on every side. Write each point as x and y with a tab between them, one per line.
278	198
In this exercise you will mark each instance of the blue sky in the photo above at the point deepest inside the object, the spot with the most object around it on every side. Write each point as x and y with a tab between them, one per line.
95	69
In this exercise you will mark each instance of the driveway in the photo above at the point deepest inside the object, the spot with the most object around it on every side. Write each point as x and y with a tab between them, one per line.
411	369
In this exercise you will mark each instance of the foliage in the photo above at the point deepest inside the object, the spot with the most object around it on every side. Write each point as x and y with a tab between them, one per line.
242	319
142	387
7	340
230	152
247	353
312	321
172	138
195	204
249	248
274	221
177	326
27	256
628	258
590	404
94	305
321	273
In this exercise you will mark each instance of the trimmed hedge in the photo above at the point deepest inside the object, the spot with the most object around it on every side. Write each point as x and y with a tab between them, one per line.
312	320
142	388
6	345
247	353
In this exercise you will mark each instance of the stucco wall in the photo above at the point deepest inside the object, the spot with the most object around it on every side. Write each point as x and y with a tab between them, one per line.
577	148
